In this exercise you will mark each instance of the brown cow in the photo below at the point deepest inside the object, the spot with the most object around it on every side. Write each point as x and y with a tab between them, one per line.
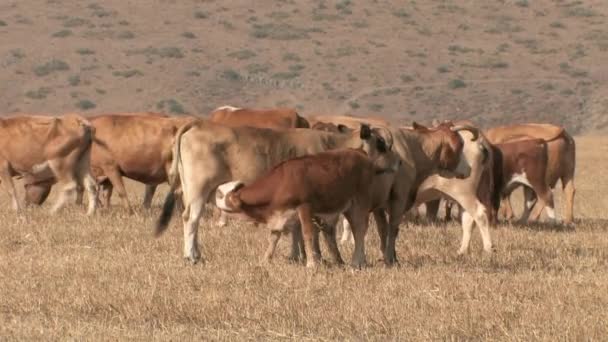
40	147
134	145
327	183
561	159
349	120
278	118
525	162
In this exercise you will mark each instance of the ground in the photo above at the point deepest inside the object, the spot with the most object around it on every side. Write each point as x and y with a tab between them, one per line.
107	277
494	62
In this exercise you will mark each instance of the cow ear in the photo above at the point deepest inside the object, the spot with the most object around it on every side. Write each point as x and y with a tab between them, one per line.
233	201
342	128
418	127
366	132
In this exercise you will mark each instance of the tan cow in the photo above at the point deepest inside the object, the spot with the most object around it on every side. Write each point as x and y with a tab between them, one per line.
278	118
348	120
41	147
327	183
134	145
208	155
561	159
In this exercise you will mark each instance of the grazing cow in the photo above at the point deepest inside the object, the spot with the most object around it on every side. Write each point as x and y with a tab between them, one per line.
327	183
135	145
208	155
561	158
278	118
40	147
525	162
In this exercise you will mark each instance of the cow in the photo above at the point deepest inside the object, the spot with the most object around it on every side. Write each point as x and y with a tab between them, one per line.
348	120
469	183
134	145
278	118
207	155
424	152
327	183
561	158
525	162
42	147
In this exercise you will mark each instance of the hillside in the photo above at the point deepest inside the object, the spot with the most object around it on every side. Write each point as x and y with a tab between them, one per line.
490	61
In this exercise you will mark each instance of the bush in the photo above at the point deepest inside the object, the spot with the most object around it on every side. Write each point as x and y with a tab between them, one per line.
188	35
85	51
231	75
74	80
62	34
50	67
456	83
278	32
39	94
127	73
242	54
85	104
201	15
171	105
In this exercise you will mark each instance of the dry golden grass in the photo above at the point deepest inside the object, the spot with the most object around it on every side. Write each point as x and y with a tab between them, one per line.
72	277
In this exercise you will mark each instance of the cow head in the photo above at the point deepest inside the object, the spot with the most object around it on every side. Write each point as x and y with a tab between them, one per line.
474	150
330	127
226	197
376	141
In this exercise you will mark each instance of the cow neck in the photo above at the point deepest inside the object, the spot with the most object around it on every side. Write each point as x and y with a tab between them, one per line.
424	150
340	140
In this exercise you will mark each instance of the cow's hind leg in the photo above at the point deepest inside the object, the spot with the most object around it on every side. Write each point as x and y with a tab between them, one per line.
149	195
305	214
7	179
569	191
347	233
359	221
273	239
467	227
116	178
191	217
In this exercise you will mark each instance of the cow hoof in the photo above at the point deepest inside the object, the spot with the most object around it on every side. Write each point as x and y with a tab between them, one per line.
462	251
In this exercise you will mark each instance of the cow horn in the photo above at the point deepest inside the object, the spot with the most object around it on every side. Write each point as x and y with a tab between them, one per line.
473	130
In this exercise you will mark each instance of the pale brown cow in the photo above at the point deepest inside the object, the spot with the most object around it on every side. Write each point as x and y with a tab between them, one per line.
561	158
134	145
42	147
277	118
326	183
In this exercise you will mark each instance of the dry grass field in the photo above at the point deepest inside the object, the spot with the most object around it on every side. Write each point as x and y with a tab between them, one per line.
107	278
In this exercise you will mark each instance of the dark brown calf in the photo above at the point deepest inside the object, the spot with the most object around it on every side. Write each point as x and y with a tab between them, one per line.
525	163
327	183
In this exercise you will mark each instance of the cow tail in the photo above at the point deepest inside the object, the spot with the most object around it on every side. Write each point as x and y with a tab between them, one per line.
174	179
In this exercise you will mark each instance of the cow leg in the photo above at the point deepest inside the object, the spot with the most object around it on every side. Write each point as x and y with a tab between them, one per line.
531	206
7	179
347	233
505	208
545	200
91	187
191	217
467	227
148	195
382	227
359	221
223	220
79	194
305	215
329	233
297	244
116	178
67	189
273	239
106	188
432	209
569	191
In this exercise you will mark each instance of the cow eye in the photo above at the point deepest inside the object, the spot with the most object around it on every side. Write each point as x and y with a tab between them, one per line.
381	145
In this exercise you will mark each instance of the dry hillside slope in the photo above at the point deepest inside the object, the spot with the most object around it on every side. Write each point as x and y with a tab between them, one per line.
491	61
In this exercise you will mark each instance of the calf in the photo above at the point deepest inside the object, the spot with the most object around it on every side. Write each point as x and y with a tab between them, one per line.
327	183
525	163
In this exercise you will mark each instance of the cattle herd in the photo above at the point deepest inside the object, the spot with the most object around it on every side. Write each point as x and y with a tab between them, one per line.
291	173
